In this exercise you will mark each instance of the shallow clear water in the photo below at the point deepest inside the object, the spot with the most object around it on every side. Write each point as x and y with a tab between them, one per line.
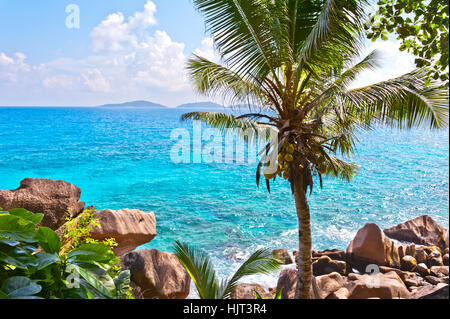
120	159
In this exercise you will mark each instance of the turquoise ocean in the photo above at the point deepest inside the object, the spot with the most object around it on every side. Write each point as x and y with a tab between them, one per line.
120	158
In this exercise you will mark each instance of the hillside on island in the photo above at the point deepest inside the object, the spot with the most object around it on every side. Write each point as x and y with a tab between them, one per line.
135	104
201	105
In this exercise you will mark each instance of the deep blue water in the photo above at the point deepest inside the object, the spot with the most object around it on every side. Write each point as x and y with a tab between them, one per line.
121	159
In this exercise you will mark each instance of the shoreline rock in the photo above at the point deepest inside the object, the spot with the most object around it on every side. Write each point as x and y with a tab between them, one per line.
157	274
422	230
57	200
130	228
415	268
283	256
247	291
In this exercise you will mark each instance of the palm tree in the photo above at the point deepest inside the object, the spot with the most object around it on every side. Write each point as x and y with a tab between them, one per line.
297	60
200	269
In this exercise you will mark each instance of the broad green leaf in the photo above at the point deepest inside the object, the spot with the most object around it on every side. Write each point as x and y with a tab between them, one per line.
45	260
91	253
122	282
27	215
16	228
17	256
9	242
16	287
98	278
48	240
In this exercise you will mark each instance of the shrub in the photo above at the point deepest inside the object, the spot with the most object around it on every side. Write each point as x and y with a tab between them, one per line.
33	264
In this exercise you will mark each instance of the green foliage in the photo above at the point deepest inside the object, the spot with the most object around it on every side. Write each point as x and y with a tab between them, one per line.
200	269
33	264
76	233
422	28
277	295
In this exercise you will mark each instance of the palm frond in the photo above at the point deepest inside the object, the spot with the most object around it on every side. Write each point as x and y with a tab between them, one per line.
336	35
260	262
242	34
403	102
247	129
200	269
342	79
338	168
369	63
212	79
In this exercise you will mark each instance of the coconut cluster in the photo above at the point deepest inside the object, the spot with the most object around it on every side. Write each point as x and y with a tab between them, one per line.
284	158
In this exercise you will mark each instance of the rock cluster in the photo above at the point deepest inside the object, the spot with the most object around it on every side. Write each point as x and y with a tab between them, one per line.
157	274
130	228
377	267
154	274
57	200
409	260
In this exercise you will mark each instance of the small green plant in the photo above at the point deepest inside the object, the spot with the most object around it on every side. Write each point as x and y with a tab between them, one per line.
34	266
77	232
200	269
277	295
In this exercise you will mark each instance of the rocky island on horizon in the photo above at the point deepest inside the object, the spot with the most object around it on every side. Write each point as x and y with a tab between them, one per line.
151	105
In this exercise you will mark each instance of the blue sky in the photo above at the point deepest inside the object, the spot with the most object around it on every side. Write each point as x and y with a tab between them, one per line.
124	50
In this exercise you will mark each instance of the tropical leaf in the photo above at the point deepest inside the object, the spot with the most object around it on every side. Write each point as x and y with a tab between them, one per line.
336	167
20	287
122	283
247	129
27	215
336	34
97	278
200	269
9	242
3	295
279	294
260	262
17	256
242	33
44	260
257	295
16	228
212	79
91	253
48	240
403	102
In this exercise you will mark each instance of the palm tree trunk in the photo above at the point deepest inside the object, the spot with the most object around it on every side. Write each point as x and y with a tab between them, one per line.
304	272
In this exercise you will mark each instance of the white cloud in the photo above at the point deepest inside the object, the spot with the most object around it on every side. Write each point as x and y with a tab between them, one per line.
145	18
95	81
111	34
207	51
115	34
59	81
393	63
5	60
13	68
130	61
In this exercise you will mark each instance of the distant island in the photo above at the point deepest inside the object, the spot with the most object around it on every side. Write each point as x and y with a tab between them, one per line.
151	105
201	105
135	104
